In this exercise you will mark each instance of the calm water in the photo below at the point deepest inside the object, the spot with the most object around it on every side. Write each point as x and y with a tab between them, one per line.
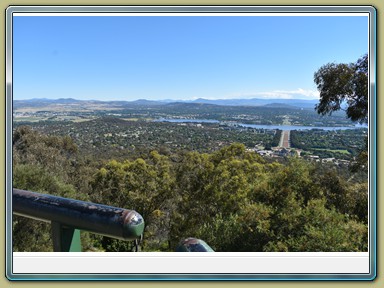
187	120
272	127
292	127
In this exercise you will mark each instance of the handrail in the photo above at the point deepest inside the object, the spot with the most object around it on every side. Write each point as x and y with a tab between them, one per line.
68	216
96	218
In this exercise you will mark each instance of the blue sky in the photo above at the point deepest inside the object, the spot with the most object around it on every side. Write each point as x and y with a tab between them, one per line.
165	57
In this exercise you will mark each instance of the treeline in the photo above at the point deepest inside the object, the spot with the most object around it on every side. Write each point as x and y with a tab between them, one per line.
231	198
327	143
117	138
275	140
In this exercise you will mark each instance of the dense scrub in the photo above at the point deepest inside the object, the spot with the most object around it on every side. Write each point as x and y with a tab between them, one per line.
233	199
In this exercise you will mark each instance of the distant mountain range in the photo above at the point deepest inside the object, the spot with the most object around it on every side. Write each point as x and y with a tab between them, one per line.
276	103
260	102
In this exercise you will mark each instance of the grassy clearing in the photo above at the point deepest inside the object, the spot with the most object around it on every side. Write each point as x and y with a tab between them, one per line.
342	151
287	120
137	119
29	119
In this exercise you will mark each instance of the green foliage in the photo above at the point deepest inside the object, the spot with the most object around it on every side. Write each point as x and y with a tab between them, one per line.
240	204
276	139
145	186
346	144
325	230
347	199
231	198
361	162
255	227
247	231
32	235
221	232
37	179
344	82
42	164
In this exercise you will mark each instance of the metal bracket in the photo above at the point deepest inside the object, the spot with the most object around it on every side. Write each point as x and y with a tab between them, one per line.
65	239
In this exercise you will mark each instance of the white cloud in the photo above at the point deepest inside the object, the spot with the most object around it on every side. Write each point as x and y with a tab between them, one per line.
283	94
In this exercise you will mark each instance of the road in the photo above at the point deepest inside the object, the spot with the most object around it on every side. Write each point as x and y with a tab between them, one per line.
285	137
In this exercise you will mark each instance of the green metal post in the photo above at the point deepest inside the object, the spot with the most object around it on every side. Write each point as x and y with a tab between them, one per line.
65	239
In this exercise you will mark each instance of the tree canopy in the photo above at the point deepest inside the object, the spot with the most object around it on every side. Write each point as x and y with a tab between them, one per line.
232	198
344	83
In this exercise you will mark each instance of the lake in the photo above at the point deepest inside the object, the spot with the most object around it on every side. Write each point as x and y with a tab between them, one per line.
187	120
256	126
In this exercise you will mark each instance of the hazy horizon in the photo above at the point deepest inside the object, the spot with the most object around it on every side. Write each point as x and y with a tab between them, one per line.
164	100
